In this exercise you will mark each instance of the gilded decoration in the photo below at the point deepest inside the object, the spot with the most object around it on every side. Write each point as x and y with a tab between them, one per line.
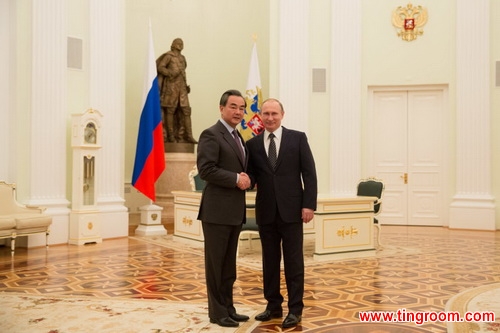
409	21
347	232
187	221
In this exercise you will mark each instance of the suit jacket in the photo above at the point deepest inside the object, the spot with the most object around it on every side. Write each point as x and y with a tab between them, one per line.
291	186
218	161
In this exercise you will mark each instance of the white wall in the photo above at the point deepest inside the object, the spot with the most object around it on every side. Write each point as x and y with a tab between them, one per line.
495	103
5	105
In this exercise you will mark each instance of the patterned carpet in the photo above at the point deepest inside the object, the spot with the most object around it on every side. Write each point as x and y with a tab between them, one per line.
29	314
481	299
440	263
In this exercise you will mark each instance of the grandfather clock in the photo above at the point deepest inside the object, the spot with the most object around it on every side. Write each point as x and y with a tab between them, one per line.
85	224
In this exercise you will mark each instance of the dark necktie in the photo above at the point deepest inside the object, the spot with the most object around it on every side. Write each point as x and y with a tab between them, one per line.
238	143
272	156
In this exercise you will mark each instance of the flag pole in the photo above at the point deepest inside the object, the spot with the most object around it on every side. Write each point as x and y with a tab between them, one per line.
251	124
150	157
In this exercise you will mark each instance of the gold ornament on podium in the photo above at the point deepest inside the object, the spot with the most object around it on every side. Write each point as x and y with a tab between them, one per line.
409	21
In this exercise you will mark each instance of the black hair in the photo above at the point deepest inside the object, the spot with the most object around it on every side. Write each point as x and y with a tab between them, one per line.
232	92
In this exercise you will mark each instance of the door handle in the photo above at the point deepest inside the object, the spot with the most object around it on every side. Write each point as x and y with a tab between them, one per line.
405	178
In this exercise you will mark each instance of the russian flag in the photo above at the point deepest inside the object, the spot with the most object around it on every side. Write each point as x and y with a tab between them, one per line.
150	153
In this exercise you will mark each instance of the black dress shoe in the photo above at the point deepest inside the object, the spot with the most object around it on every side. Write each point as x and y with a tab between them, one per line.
291	320
225	322
268	315
238	317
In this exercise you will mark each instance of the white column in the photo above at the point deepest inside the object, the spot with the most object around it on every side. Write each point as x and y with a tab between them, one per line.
107	94
294	81
345	91
473	205
48	117
5	83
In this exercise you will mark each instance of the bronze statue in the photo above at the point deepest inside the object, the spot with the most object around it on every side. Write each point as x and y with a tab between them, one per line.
174	92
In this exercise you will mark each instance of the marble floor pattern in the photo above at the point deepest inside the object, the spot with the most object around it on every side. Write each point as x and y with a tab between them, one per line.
447	262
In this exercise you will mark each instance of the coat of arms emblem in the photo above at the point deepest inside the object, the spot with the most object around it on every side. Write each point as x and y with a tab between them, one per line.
409	21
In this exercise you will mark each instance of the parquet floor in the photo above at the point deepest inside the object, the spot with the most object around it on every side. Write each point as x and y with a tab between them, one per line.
446	263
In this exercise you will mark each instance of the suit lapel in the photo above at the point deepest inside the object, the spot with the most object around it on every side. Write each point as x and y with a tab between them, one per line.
283	146
262	149
244	149
230	139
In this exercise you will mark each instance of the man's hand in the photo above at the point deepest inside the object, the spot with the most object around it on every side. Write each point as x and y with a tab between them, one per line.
244	181
307	215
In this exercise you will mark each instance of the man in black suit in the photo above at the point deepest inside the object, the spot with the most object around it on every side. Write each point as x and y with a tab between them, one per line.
282	165
222	160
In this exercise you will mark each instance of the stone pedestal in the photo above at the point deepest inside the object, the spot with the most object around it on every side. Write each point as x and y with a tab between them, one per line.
179	147
150	222
174	178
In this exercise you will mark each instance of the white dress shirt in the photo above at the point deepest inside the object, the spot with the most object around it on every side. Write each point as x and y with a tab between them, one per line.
277	140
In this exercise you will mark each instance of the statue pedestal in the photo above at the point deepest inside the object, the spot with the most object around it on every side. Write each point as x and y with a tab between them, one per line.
174	178
179	147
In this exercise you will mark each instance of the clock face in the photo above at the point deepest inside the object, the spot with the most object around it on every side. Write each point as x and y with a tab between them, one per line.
90	133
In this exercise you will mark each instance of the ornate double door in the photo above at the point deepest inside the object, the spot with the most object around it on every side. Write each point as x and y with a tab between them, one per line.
408	148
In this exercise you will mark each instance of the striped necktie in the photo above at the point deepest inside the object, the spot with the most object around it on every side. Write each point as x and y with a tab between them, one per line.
272	156
238	143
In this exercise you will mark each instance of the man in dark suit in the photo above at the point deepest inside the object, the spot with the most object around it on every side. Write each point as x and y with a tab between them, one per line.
282	165
222	161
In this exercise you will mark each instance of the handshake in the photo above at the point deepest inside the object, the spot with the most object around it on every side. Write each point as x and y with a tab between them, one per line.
244	181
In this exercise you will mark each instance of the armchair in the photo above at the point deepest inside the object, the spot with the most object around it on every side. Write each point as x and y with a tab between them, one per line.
20	220
197	184
250	228
373	187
